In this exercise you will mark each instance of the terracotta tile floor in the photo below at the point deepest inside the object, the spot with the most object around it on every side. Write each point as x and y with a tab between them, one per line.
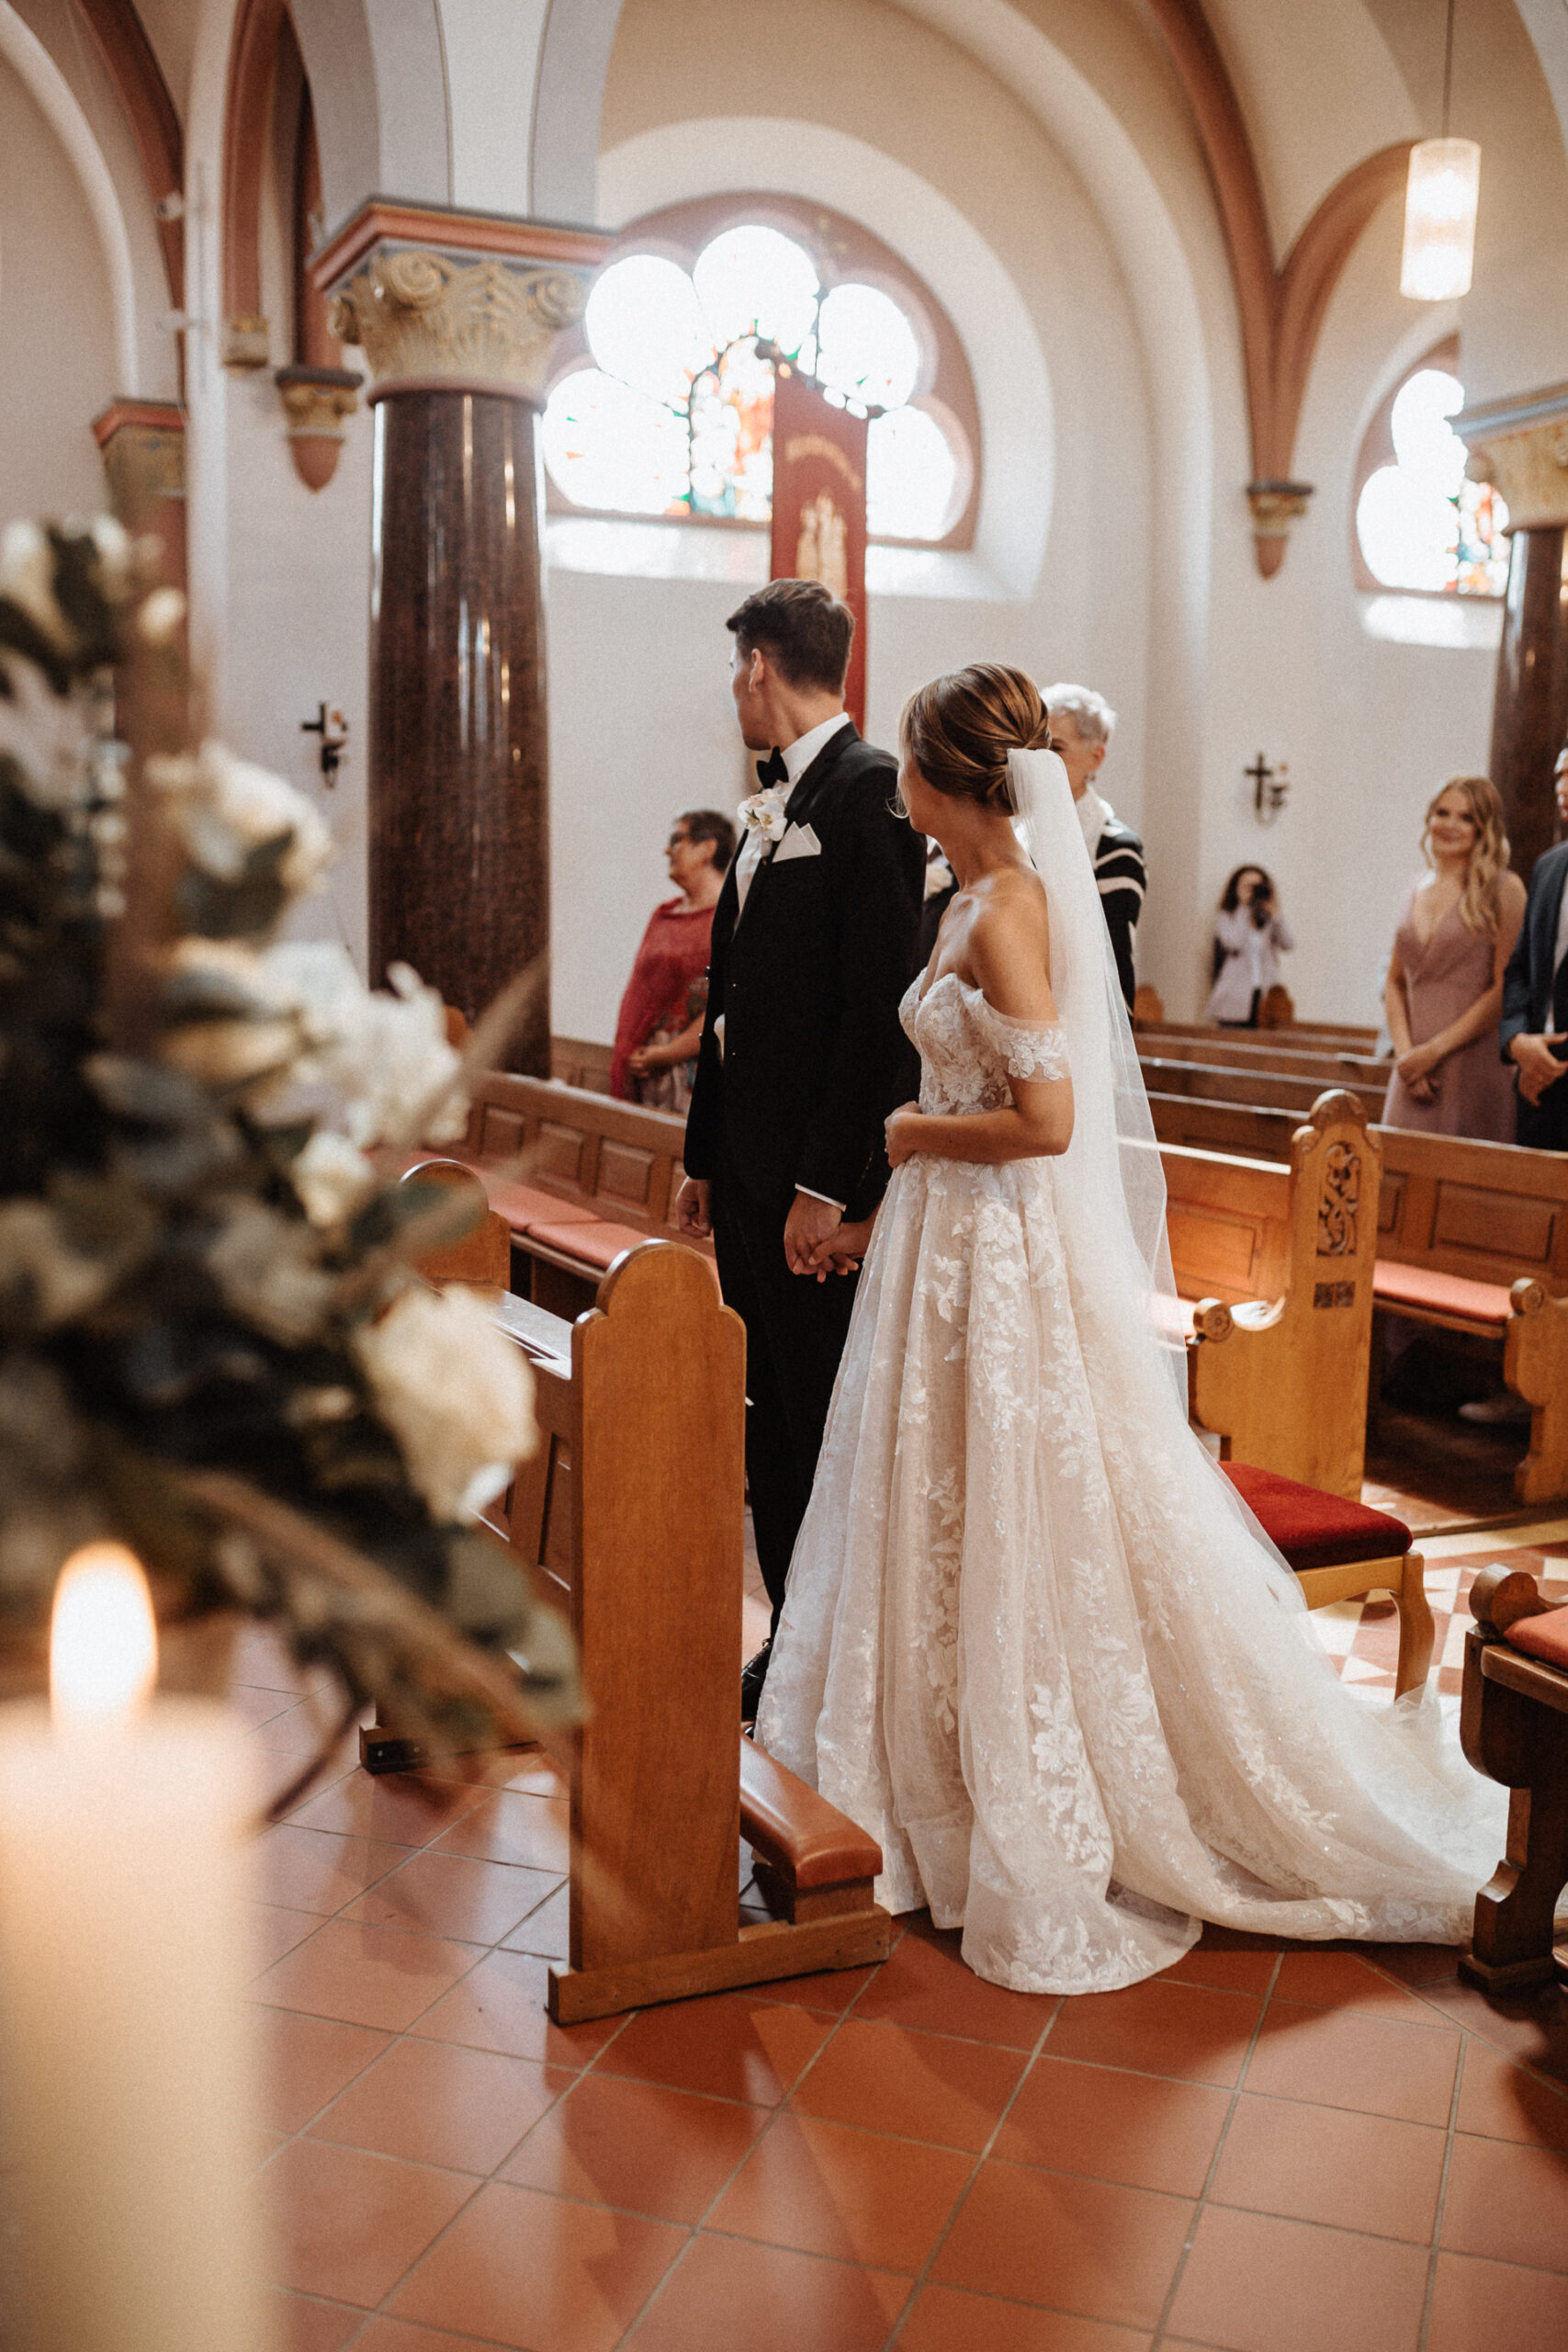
1267	2149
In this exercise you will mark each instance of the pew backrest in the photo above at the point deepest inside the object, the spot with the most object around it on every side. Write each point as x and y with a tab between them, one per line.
1246	1130
1486	1212
615	1159
1329	1065
1271	1088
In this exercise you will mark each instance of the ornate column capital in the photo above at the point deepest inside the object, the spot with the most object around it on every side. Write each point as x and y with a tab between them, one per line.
455	302
1521	445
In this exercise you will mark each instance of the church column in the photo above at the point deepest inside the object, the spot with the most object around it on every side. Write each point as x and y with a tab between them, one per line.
458	315
1521	445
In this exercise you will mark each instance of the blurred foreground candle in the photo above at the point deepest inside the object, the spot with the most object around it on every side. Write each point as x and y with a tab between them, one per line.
125	2055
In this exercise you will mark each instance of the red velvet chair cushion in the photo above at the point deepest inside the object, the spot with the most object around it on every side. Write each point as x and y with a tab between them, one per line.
1420	1286
1544	1637
1314	1530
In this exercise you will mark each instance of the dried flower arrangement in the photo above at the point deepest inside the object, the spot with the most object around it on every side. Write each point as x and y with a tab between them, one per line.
212	1342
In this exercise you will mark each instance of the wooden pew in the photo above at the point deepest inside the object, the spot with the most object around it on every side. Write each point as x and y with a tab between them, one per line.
1474	1238
482	1258
1281	1378
1308	1033
1514	1728
600	1176
1329	1065
633	1505
1246	1128
1271	1089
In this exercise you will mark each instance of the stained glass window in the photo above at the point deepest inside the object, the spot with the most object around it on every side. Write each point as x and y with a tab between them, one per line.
1421	524
675	415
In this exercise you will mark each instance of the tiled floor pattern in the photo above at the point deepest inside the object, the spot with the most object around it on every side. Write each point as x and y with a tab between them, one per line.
1266	2149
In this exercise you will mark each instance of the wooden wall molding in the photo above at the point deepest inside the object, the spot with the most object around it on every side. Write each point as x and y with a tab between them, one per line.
138	81
1281	307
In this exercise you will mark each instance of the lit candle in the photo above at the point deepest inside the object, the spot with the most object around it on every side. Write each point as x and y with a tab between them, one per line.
125	2056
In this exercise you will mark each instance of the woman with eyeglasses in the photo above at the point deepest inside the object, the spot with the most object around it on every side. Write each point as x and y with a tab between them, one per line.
661	1021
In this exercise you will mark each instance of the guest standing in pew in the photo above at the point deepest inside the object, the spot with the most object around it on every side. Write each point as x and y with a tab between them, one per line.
1535	996
1443	995
1082	724
1251	935
1033	1643
814	941
662	1011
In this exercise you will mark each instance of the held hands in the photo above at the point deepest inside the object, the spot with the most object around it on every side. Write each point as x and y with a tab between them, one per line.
1539	1065
901	1131
1416	1067
694	1208
843	1249
810	1230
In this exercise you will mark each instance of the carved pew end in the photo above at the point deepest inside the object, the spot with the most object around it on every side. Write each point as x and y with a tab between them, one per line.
1514	1729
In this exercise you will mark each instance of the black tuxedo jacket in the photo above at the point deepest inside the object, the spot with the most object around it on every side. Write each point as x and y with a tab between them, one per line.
807	980
1527	983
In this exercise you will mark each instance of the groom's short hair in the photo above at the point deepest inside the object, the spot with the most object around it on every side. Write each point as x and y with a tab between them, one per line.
802	627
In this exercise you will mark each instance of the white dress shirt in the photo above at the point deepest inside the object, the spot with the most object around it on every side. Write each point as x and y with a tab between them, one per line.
797	757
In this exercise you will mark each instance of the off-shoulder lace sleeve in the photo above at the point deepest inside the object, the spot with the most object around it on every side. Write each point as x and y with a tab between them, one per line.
1036	1050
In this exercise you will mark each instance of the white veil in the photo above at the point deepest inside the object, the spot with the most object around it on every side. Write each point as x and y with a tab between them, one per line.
1110	1185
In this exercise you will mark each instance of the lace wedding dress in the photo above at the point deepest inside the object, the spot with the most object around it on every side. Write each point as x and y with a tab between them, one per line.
1032	1643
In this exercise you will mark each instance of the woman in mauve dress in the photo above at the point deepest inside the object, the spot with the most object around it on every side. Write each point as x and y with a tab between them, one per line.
1444	995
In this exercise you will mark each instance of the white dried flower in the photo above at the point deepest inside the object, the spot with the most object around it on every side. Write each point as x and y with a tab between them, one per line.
231	1053
402	1084
331	1178
266	1266
116	553
27	577
225	808
455	1393
48	736
159	620
36	1257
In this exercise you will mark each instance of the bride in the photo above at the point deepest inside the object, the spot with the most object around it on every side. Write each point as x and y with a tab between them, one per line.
1033	1643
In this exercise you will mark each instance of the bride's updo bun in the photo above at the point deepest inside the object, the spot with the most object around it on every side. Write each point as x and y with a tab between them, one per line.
960	729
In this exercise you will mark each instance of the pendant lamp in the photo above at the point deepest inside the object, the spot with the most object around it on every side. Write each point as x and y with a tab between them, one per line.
1440	200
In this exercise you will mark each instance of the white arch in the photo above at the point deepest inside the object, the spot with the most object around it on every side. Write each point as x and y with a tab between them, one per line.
569	98
51	94
808	159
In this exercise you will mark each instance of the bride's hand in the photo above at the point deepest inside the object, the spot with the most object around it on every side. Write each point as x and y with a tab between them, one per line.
901	1133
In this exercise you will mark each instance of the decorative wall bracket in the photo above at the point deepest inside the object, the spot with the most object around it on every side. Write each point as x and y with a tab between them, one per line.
247	342
315	401
1275	507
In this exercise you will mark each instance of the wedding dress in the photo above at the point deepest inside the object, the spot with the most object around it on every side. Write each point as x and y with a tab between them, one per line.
1033	1643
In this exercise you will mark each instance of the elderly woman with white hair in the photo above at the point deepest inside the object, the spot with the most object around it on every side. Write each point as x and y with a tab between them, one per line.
1082	723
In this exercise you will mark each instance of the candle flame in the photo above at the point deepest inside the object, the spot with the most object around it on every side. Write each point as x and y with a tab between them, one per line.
103	1644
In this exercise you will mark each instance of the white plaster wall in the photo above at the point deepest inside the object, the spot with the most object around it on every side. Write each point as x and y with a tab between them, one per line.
873	85
56	324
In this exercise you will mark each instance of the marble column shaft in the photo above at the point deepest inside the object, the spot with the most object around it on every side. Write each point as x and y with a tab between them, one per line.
1521	445
458	347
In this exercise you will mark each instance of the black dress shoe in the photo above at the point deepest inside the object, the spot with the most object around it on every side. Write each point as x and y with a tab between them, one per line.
753	1674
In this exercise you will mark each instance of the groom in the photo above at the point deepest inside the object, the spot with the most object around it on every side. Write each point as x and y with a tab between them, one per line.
815	939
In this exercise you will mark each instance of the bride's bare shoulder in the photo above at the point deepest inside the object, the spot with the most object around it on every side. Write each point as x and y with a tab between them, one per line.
1009	946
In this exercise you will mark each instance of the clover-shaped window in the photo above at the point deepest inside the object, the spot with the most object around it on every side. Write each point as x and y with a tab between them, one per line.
1420	526
665	407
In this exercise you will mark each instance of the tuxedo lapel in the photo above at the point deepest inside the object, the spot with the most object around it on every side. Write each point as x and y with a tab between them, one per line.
819	775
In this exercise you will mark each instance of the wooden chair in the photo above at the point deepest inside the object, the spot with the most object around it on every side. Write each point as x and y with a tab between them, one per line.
1281	1378
1514	1728
1341	1550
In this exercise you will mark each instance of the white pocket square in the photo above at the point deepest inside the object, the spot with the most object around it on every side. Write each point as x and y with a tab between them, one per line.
800	842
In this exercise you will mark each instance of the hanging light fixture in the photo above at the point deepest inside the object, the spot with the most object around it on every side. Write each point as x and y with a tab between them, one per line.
1440	200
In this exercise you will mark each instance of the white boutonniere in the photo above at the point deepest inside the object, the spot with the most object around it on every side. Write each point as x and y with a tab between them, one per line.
940	875
765	814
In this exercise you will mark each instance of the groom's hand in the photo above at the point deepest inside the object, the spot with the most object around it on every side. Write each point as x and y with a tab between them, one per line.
810	1222
694	1208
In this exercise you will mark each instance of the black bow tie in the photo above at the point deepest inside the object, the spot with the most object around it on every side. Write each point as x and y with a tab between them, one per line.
773	770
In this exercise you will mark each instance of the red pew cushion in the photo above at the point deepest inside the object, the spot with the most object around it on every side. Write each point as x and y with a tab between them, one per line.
1419	1286
1314	1530
523	1205
596	1242
1544	1637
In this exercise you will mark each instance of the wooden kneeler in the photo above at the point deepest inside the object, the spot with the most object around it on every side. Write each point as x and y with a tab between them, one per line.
635	1503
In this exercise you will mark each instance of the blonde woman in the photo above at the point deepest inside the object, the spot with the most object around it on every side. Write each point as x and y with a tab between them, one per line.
1444	995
